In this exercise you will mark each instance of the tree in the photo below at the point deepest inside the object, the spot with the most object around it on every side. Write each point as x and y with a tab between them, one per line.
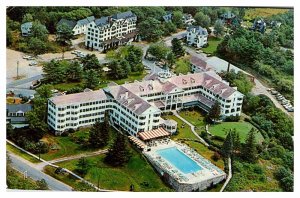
42	184
91	79
215	111
177	47
170	59
202	19
285	178
74	72
37	46
99	134
64	34
27	18
39	31
90	61
134	57
249	150
168	28
219	28
177	19
150	29
55	71
119	69
158	50
82	166
227	147
118	154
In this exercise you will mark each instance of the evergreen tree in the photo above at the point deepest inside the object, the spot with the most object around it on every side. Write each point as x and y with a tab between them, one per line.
177	47
177	19
219	28
91	79
215	111
90	61
96	138
64	34
118	153
236	142
228	145
249	150
54	72
105	128
82	166
39	31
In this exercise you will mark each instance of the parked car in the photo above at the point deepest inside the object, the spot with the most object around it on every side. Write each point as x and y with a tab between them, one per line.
33	63
290	109
284	102
274	92
81	55
76	52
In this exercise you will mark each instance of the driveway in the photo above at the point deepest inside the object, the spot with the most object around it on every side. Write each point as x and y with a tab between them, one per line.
23	165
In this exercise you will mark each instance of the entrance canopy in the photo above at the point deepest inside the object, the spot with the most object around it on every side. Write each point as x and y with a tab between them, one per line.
153	134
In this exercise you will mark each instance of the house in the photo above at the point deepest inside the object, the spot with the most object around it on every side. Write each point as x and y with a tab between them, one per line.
78	27
15	113
197	36
137	107
199	65
228	18
26	29
187	19
111	31
168	17
259	25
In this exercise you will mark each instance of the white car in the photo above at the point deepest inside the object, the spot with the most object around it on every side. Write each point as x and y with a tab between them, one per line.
33	63
76	52
81	55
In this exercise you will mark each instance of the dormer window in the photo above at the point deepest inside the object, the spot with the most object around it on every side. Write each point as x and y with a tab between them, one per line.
184	81
192	80
150	87
141	88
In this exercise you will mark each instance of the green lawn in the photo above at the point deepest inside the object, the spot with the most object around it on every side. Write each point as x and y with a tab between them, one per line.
65	146
67	86
213	43
15	180
194	117
185	132
131	77
136	172
21	153
182	66
241	127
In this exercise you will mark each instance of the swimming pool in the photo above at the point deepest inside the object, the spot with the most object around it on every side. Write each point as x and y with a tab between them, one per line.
178	159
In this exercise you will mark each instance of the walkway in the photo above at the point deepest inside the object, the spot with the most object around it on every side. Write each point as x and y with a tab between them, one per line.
229	175
192	127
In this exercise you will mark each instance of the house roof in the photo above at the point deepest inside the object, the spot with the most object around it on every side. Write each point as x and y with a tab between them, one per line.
26	25
228	15
123	15
13	108
86	20
82	97
70	23
130	100
198	30
200	63
102	21
168	16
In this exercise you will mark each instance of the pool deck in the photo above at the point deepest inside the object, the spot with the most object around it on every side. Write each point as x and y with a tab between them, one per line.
200	179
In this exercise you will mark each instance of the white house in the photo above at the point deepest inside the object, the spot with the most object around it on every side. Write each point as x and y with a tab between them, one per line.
111	31
78	27
136	107
197	36
188	19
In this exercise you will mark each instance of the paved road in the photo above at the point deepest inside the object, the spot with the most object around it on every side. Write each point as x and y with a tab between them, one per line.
23	81
23	165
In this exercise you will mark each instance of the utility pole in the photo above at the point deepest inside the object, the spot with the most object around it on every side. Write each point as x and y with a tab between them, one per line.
17	69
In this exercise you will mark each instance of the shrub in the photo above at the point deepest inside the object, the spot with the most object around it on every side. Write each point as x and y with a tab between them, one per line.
71	131
65	134
232	119
216	156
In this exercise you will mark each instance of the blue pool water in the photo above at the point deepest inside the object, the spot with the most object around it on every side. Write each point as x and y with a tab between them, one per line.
179	160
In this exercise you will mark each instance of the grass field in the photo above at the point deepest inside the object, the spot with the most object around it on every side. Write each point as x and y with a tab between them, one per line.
194	117
137	172
185	132
182	66
15	180
64	146
21	153
241	127
213	43
253	13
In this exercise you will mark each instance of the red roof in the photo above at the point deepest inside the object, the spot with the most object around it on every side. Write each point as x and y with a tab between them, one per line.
156	133
200	63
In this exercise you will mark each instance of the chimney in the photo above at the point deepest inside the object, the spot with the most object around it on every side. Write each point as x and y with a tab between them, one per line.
126	95
228	67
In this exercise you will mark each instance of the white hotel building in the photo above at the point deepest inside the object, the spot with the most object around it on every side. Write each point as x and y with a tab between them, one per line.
137	107
111	31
